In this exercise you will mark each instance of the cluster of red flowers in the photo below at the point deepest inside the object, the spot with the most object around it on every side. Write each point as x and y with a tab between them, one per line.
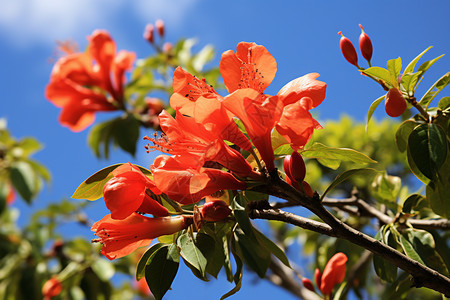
200	163
83	83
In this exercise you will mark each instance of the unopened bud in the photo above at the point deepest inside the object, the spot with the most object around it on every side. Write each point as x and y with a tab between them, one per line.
308	284
348	50
159	24
394	104
318	277
215	211
297	167
167	47
365	45
51	288
154	105
149	33
307	188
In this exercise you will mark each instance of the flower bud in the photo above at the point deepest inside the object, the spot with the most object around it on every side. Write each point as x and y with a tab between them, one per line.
51	288
318	277
365	45
149	33
215	211
307	188
159	24
167	47
308	284
394	104
297	167
154	105
348	50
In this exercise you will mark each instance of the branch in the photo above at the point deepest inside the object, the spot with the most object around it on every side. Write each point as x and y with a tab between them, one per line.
422	275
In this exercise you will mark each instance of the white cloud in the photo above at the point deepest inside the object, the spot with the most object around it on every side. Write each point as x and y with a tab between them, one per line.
28	22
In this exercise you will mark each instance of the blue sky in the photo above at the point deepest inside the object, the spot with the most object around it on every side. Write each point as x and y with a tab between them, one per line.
301	35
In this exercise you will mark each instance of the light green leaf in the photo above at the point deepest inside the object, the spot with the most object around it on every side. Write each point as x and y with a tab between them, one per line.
409	82
431	93
386	187
381	73
409	250
426	65
372	108
427	145
444	103
321	151
103	268
92	188
395	66
203	57
410	67
346	175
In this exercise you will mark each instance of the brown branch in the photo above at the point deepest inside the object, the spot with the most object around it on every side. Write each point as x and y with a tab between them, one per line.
422	275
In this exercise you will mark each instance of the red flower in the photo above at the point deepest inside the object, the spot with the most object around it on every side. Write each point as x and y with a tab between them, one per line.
121	237
334	273
215	211
184	181
194	97
184	137
128	191
78	86
51	288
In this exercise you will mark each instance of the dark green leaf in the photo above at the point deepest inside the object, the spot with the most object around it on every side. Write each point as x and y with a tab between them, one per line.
320	151
161	269
412	202
427	146
372	108
385	269
272	247
395	66
24	179
92	188
238	205
346	175
140	268
409	250
415	170
438	191
381	73
100	135
4	192
402	134
410	67
254	255
434	90
237	277
126	134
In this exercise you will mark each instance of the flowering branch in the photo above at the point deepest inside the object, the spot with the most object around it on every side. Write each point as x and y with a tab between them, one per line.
422	275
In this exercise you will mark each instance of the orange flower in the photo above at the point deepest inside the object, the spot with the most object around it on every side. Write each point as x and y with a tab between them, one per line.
195	98
184	137
184	181
79	86
128	191
252	66
259	115
121	237
334	273
51	288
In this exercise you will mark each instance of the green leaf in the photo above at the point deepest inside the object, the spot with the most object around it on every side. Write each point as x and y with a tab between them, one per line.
237	277
395	66
381	73
402	134
238	206
410	67
24	179
431	93
203	57
29	146
103	268
438	191
372	108
412	202
161	270
4	192
195	249
427	146
279	141
320	151
409	250
444	103
272	247
386	188
92	188
385	269
409	82
346	175
426	65
415	170
39	169
140	268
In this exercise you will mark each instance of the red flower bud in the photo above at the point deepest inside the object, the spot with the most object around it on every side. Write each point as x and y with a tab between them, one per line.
365	45
167	47
149	33
51	288
308	284
334	273
307	188
215	211
394	104
297	168
318	277
159	24
348	50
